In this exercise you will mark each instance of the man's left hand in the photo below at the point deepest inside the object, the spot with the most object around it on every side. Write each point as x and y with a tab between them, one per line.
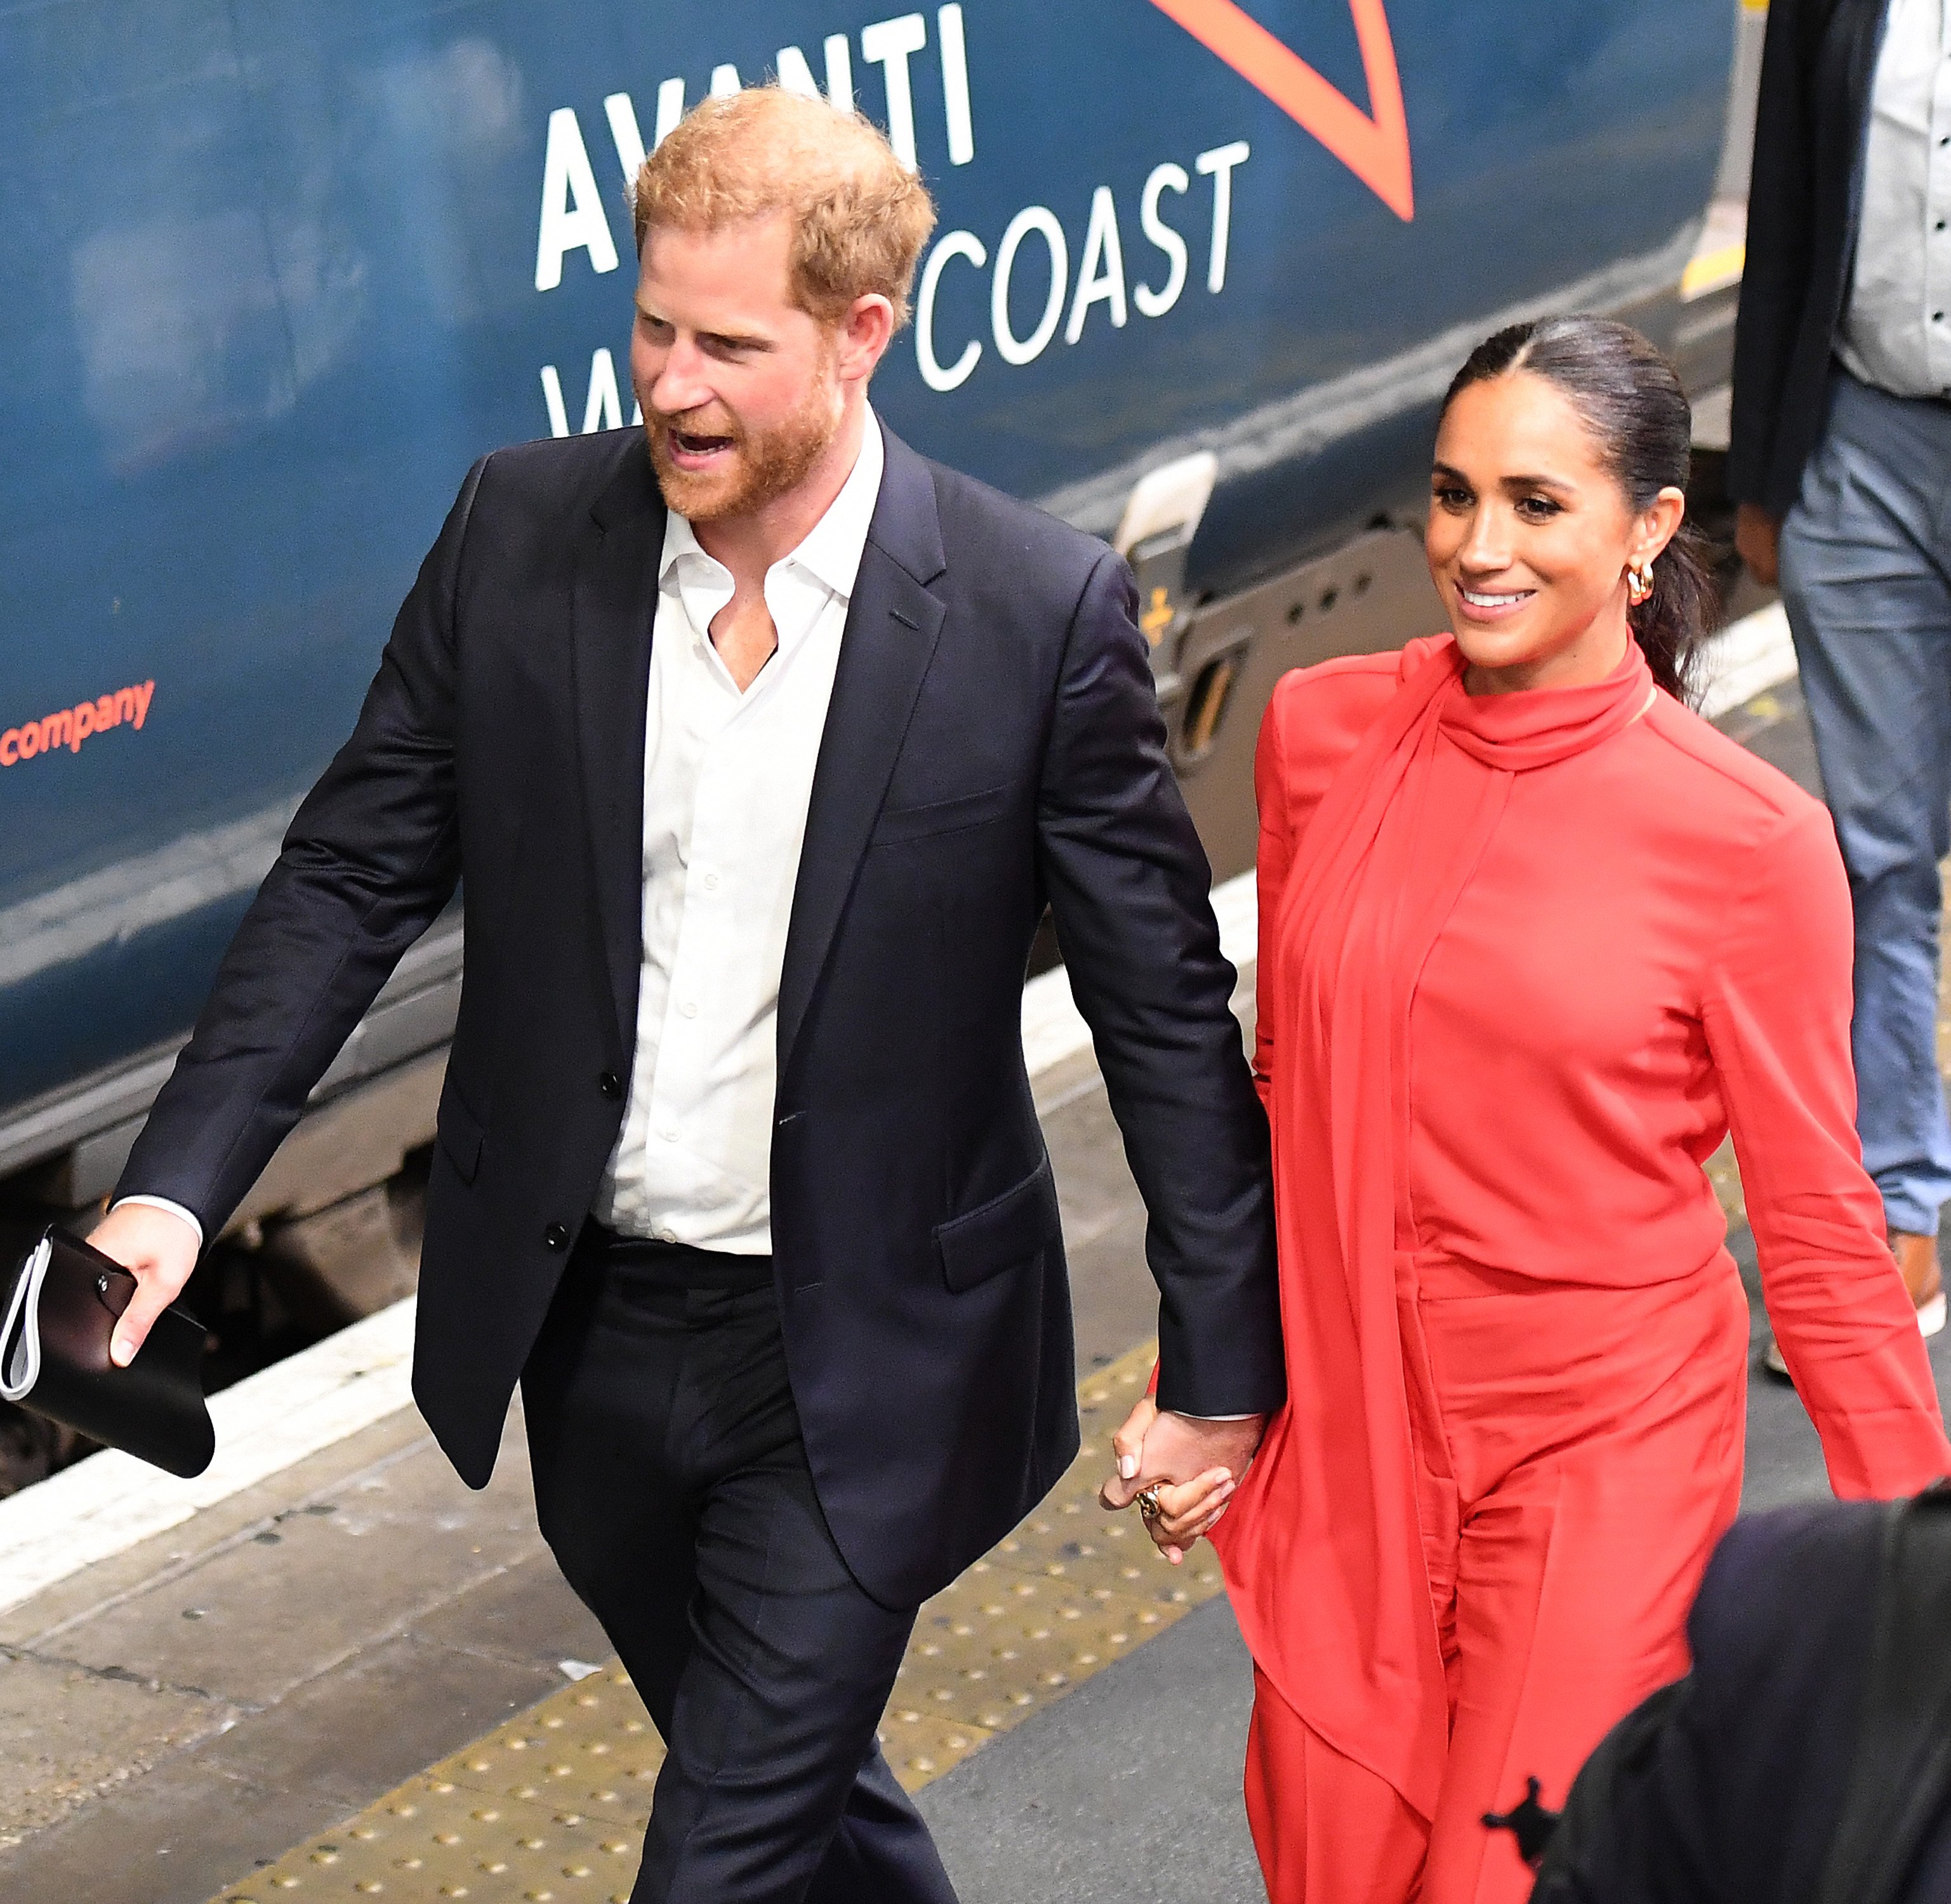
1181	1454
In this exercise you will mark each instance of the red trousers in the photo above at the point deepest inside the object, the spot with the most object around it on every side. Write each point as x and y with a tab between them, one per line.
1577	1454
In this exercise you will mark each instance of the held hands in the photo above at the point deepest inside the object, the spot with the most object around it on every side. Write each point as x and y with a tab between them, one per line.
1154	1447
158	1250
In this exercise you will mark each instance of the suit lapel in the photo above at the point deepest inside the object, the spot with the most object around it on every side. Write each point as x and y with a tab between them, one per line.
893	623
613	606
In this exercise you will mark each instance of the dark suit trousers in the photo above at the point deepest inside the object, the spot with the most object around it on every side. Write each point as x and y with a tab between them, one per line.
672	1483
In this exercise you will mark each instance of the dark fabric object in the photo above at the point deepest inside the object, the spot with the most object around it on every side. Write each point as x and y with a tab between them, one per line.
1529	1822
994	742
54	1362
1899	1776
672	1485
1807	1758
1804	198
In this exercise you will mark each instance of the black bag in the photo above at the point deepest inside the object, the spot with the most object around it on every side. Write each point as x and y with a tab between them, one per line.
60	1312
1635	1830
1900	1777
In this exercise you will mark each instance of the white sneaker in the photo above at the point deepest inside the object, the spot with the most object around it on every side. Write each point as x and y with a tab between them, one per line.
1930	1317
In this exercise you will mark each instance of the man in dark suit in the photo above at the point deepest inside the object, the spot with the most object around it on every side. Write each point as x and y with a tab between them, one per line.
1840	460
757	759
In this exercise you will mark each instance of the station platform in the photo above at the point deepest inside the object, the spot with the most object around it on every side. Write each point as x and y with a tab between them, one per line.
348	1677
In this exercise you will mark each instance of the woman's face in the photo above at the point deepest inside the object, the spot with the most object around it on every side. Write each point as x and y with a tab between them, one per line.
1530	538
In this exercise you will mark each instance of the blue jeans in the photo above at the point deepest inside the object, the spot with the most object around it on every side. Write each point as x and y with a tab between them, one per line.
1866	579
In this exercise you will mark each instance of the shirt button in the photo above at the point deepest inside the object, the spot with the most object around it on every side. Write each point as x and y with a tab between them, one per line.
711	878
667	1236
610	1084
557	1236
690	1008
670	1136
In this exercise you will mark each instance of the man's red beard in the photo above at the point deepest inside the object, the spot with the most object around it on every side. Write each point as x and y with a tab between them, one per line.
756	470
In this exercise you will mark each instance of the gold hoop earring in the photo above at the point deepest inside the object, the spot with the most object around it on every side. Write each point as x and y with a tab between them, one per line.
1639	583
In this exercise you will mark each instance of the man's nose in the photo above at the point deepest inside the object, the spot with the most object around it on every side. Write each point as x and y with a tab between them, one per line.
679	383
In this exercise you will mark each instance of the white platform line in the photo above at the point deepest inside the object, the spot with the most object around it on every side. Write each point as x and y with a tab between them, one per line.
103	1506
1746	658
271	1420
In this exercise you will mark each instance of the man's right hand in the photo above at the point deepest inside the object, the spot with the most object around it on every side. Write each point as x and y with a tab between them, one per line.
158	1250
1757	541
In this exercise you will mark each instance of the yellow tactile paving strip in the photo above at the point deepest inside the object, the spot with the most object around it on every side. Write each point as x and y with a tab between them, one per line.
549	1808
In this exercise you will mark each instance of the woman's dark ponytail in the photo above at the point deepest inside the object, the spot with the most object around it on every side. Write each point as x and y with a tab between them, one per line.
1671	623
1631	400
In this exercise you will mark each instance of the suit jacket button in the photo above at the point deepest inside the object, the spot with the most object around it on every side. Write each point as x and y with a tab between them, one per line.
557	1236
610	1084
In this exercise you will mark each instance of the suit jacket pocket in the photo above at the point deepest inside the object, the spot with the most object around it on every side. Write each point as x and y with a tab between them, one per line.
459	1133
900	823
998	1235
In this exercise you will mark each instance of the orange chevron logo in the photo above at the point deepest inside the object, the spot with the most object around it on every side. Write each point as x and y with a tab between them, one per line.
1375	149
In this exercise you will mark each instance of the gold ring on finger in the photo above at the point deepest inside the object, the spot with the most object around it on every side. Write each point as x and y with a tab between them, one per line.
1149	1506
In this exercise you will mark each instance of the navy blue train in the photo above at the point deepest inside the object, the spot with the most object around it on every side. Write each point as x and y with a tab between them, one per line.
278	271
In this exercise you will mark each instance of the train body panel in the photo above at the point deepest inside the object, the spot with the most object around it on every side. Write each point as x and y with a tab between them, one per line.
280	272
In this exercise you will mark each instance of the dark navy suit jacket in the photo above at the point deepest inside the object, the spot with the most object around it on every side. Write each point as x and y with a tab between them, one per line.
1804	201
993	743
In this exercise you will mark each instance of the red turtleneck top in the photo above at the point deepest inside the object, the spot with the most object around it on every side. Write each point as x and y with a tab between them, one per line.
1524	960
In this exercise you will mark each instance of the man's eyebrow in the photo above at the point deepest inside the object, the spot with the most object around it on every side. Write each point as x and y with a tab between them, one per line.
729	340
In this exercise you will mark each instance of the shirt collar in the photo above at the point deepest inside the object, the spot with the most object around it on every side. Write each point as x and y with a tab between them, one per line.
833	547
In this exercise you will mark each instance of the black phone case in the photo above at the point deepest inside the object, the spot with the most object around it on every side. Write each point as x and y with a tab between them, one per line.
154	1408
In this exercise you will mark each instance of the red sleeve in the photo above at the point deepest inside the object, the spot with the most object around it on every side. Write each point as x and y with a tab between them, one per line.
1777	1014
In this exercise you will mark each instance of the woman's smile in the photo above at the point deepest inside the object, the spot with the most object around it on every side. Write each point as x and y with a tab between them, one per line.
1491	605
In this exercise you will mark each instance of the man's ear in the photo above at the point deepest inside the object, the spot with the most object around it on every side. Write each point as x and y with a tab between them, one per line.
866	331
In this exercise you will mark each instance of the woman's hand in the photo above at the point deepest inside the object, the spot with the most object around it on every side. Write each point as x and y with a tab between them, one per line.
1128	1445
1185	1513
1189	1509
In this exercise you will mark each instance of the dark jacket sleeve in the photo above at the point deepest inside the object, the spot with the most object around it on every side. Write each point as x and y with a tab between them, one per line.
1775	275
371	858
1129	885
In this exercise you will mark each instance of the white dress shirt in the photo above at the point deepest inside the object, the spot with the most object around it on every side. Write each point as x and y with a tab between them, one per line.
1896	328
727	778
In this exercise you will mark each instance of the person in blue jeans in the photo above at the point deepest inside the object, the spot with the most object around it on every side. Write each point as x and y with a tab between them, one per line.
1840	462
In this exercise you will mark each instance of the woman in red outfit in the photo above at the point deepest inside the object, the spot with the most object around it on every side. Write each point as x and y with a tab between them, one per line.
1534	937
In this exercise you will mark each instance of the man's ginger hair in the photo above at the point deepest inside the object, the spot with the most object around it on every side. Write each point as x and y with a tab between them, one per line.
859	217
